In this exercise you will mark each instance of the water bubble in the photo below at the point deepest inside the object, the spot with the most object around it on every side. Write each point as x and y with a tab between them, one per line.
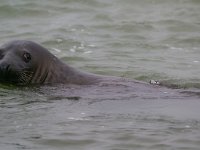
154	82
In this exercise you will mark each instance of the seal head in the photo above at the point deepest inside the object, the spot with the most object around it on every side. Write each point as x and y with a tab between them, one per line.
25	62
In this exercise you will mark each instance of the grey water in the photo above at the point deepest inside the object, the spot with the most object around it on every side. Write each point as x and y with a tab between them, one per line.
136	39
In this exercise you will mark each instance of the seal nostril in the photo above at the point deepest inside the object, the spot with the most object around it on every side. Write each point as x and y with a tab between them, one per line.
4	67
7	67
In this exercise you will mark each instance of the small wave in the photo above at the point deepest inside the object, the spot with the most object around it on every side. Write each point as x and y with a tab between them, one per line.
13	11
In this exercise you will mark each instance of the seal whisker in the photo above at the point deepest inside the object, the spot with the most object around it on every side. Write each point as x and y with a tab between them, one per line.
25	76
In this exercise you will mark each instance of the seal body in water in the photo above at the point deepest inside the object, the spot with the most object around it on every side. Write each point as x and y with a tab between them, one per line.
25	63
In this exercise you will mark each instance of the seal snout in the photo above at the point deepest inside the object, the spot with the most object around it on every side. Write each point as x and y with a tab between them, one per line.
4	70
4	67
6	73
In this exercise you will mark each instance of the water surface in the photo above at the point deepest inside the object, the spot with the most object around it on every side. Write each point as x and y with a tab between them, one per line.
143	40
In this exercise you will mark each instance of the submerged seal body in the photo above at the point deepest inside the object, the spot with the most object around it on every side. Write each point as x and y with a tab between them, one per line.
26	62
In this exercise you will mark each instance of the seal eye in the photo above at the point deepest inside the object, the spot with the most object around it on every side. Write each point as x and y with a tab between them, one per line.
27	57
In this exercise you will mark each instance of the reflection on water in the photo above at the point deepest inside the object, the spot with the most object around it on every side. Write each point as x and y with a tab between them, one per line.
148	39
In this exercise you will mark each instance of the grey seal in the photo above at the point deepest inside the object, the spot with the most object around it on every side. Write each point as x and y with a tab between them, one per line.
26	63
